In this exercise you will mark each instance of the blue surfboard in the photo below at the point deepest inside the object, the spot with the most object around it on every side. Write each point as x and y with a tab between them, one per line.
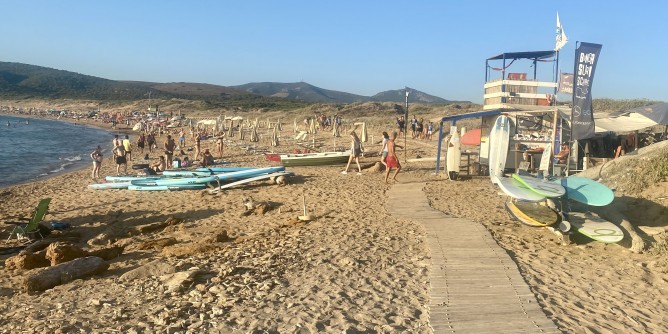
587	191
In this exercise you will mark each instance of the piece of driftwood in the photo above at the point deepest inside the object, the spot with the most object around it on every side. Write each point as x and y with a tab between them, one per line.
47	278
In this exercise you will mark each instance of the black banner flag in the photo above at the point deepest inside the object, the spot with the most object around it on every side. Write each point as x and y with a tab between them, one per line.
582	115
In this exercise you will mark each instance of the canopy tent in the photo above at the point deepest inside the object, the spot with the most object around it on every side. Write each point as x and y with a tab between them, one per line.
635	119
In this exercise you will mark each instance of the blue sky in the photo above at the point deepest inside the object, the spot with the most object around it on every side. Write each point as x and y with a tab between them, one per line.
360	47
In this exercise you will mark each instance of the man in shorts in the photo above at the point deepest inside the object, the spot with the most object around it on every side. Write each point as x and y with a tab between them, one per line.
392	160
119	156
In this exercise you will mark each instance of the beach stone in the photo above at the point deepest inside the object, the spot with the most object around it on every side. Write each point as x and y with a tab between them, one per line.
176	281
107	253
221	236
157	243
59	252
182	250
154	268
101	240
27	261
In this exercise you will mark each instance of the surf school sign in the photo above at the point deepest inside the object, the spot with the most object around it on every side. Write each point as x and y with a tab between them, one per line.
582	116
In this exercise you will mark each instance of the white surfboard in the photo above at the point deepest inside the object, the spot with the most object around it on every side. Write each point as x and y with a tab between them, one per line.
499	139
454	154
516	189
248	180
595	227
542	187
545	158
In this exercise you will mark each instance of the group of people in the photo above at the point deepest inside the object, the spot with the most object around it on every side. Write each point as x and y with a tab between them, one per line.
388	157
420	130
122	153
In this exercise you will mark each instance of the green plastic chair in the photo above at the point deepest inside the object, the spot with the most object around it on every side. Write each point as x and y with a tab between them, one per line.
31	228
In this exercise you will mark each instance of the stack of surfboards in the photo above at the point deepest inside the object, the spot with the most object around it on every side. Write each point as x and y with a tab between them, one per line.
527	191
191	180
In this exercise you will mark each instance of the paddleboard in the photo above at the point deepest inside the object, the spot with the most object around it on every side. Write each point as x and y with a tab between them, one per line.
212	178
248	180
472	137
515	189
223	169
587	191
131	177
163	188
532	214
110	185
541	187
175	181
595	227
499	139
454	154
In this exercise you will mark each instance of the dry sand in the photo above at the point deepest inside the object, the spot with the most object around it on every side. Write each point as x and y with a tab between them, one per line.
354	269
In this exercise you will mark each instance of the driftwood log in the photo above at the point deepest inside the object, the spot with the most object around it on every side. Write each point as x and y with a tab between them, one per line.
47	278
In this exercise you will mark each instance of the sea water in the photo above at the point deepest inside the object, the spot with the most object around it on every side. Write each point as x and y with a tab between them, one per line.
31	149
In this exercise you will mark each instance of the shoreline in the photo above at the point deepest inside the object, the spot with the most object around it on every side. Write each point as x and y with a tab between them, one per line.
76	168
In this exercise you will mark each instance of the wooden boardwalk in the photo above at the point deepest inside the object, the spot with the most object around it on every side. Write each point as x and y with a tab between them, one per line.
475	285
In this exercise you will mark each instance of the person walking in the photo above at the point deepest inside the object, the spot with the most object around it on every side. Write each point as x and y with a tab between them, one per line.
392	160
355	153
141	141
96	155
383	152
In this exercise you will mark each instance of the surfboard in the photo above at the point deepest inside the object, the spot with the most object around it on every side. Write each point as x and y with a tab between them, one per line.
164	188
175	181
545	158
472	137
223	169
212	178
595	227
499	139
516	189
541	187
127	178
110	185
532	214
248	180
453	155
587	191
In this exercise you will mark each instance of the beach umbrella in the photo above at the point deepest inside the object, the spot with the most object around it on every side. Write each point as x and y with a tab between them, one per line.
365	135
312	127
278	125
274	138
294	128
335	130
254	136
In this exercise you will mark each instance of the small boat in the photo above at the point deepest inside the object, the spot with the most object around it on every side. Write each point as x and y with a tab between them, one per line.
315	159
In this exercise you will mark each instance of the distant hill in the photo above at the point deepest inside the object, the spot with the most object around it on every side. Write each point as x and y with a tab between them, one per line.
29	81
300	91
307	92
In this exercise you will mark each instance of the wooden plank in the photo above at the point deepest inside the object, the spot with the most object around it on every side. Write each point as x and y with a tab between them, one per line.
475	286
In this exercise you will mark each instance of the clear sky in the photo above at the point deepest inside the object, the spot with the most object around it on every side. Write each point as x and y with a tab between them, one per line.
355	46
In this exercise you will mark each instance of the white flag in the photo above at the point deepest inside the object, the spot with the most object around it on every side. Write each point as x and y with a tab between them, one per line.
561	36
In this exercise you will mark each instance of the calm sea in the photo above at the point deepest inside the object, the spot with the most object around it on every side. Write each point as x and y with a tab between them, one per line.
31	149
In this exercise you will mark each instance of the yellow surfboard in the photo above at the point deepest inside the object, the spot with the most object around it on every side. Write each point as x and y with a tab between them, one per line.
532	214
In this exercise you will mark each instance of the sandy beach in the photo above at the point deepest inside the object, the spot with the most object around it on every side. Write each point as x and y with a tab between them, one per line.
192	262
